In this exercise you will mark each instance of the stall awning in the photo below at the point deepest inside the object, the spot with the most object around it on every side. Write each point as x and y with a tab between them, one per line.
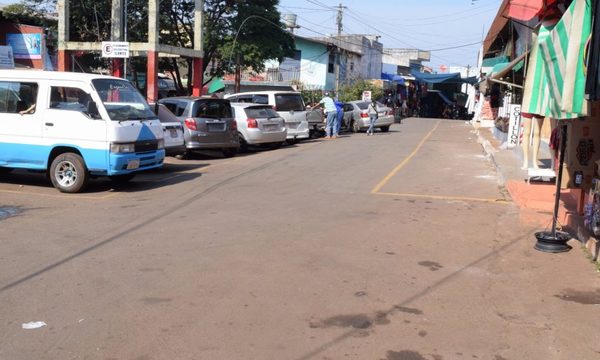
502	69
526	10
393	77
436	78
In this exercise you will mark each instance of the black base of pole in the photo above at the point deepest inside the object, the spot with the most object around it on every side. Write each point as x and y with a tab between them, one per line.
552	242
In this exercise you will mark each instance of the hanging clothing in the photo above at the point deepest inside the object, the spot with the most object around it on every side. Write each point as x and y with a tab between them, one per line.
592	87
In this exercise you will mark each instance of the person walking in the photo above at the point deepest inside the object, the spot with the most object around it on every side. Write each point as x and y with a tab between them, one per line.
331	114
339	115
373	115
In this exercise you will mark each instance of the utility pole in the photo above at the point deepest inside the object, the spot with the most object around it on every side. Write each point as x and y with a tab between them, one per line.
338	53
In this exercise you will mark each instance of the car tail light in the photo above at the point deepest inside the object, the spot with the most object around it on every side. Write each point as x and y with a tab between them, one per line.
390	112
233	125
190	124
364	115
252	123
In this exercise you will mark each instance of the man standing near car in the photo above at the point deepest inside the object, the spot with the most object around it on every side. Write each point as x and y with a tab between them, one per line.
331	113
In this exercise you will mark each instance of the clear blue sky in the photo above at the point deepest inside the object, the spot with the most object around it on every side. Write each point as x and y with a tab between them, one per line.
423	24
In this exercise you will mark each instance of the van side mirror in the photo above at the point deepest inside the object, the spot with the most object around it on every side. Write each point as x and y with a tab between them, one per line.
92	110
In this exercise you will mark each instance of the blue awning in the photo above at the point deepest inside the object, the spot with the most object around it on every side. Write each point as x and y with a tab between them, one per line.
393	77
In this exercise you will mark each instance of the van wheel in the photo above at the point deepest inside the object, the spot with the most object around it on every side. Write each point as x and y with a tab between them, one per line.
385	128
122	179
229	152
68	173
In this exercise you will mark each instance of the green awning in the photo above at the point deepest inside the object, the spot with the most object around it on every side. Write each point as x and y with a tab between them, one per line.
491	62
216	85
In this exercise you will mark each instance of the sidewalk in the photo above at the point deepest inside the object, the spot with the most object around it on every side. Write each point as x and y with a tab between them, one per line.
536	199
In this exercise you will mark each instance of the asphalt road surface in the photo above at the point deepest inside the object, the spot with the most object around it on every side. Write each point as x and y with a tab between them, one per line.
401	245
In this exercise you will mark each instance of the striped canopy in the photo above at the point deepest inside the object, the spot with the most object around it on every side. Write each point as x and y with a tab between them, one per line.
555	82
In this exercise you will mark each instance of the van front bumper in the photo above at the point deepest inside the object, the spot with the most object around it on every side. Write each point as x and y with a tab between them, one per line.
128	163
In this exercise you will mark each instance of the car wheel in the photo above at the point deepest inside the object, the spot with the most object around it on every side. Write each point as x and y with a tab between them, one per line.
243	144
68	173
122	179
354	127
274	146
292	141
229	152
385	128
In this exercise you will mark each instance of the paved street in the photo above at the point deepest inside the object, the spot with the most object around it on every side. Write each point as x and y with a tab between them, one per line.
401	245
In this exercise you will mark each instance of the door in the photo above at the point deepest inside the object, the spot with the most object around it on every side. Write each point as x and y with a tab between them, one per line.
21	142
67	123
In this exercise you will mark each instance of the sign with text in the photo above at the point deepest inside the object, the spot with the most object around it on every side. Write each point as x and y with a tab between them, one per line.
115	49
25	46
366	96
514	125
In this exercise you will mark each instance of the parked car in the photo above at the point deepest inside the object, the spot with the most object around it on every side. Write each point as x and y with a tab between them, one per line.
356	117
288	104
166	86
259	125
172	130
208	123
316	120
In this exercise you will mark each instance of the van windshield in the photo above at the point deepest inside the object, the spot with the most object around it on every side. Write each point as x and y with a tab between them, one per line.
122	100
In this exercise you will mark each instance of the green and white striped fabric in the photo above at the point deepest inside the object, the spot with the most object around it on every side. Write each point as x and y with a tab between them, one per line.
556	79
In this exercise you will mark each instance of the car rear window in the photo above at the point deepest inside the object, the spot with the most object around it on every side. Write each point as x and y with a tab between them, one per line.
258	99
289	102
362	105
260	112
164	115
213	109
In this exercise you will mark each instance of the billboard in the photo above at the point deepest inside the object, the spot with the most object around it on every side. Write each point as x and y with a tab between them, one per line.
25	46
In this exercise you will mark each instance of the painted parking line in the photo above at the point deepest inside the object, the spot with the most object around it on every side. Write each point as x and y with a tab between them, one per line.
404	162
447	198
61	195
377	189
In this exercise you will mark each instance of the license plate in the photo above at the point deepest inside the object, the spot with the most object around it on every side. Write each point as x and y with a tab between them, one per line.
270	127
173	133
133	164
216	127
292	126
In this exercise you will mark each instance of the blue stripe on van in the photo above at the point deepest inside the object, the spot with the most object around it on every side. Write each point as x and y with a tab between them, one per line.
146	134
35	157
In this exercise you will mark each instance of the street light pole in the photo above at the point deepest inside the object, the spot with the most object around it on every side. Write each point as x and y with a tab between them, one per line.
338	53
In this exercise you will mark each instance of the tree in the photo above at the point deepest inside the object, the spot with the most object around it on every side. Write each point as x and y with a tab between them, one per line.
262	36
354	91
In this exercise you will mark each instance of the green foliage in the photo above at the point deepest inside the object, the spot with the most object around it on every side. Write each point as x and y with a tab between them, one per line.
311	96
354	91
262	36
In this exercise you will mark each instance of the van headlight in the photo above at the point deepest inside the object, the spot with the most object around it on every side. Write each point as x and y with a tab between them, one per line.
122	148
160	144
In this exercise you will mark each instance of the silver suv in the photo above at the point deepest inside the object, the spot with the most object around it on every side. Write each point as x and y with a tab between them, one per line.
288	104
208	123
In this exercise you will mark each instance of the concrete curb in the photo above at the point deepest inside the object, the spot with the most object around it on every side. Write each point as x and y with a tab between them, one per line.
490	151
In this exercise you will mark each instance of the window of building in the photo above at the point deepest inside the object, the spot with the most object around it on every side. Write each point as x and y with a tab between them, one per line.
331	65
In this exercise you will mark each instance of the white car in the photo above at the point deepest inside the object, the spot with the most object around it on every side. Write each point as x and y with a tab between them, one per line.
172	130
259	125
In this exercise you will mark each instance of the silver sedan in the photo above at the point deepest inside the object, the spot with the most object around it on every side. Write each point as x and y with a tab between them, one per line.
356	117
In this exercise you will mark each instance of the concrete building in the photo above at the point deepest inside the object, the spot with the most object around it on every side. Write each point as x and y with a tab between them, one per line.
400	61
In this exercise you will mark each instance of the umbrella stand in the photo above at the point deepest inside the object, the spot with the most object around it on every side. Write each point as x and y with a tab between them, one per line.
554	241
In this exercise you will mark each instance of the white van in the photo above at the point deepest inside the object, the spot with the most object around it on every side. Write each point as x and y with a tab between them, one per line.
75	125
288	104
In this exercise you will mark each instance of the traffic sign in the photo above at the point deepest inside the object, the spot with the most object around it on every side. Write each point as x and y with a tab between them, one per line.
115	49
